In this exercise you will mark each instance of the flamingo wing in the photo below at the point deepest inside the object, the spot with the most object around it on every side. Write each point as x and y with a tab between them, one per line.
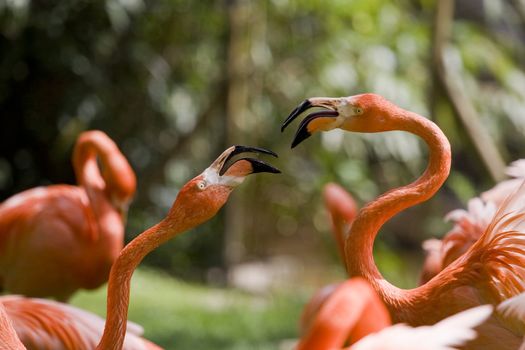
496	260
49	325
447	334
470	224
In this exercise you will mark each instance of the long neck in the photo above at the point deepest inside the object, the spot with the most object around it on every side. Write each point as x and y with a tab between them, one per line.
360	241
118	178
122	270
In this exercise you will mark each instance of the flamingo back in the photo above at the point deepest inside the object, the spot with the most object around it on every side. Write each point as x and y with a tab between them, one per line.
49	325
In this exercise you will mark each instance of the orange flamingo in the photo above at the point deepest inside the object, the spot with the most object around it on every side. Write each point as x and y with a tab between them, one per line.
488	273
469	224
342	209
197	201
57	239
354	314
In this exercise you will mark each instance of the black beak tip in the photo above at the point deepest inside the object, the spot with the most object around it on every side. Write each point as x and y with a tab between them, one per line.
242	149
298	110
258	166
301	135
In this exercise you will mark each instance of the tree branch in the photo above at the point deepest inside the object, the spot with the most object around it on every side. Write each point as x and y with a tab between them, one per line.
462	106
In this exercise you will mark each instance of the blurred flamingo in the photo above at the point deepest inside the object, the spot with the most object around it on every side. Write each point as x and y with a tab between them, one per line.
355	315
57	239
342	209
41	324
469	224
197	201
488	273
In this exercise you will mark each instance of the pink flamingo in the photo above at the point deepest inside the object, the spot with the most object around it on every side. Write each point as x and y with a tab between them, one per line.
197	202
57	239
354	314
488	273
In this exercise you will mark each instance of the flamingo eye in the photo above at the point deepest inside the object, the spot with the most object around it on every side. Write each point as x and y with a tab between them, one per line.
358	110
201	185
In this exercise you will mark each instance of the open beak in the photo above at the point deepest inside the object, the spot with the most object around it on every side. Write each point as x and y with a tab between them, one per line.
228	166
315	121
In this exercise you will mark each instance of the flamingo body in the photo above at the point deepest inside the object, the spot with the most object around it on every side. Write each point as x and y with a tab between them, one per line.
57	239
489	272
48	325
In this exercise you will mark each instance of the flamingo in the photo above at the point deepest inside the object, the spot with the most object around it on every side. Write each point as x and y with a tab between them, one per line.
488	273
197	201
57	239
469	224
355	314
342	209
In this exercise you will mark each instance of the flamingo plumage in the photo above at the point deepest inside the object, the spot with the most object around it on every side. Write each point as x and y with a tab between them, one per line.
197	202
488	273
59	238
355	315
469	224
42	324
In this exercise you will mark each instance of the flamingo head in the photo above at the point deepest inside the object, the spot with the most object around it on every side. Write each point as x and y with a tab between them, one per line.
361	113
205	194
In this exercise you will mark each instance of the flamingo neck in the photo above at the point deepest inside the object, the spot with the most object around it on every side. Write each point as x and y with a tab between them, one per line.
123	268
359	243
118	179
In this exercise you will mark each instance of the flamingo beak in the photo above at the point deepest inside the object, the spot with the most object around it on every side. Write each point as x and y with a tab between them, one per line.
316	121
230	170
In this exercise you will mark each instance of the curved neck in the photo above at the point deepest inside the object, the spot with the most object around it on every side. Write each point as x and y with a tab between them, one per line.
359	243
122	271
117	179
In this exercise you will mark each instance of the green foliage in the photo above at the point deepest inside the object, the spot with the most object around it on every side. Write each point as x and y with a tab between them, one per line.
176	81
177	315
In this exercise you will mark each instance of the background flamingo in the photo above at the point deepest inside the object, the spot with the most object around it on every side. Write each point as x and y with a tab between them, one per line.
487	273
354	311
198	201
42	324
57	239
342	209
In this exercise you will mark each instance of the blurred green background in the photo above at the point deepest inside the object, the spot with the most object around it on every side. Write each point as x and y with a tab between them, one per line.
174	82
